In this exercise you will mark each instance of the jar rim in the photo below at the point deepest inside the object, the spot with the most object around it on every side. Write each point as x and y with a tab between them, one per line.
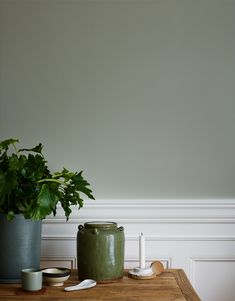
100	224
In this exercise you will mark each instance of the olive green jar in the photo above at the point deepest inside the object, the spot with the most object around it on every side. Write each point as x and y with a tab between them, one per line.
100	251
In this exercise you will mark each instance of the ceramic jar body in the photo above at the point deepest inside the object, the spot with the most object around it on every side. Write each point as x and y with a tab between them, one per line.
100	251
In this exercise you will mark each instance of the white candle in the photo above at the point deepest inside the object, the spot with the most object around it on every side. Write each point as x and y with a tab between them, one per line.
142	251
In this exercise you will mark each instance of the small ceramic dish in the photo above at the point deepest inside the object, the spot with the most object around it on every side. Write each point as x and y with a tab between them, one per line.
55	276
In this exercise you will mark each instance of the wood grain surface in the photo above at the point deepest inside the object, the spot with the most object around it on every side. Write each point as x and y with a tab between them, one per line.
168	286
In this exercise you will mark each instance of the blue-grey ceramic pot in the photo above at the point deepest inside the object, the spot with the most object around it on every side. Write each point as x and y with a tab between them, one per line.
20	247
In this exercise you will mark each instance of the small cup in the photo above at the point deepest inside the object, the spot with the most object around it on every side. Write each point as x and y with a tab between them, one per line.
31	280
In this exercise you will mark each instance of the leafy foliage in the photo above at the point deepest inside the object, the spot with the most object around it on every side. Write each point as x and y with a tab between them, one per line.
28	187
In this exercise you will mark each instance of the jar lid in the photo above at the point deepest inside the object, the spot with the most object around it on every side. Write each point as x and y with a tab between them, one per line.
100	224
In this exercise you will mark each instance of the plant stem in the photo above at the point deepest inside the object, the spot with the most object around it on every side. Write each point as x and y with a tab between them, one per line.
50	180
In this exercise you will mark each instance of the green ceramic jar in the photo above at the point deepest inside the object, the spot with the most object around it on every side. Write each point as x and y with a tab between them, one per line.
100	251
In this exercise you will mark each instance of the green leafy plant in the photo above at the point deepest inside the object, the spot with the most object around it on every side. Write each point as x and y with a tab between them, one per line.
28	187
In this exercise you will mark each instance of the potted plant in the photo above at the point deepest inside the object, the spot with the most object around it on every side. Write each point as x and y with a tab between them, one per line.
29	192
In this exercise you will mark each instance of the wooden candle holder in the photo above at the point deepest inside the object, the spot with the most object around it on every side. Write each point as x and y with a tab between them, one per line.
155	269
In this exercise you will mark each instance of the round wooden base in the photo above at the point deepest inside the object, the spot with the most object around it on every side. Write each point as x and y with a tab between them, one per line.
139	277
156	269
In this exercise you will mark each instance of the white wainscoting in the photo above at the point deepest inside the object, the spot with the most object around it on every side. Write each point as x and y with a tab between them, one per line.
196	235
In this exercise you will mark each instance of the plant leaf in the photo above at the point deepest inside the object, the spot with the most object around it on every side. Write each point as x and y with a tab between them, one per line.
81	185
28	187
4	145
10	215
46	202
36	149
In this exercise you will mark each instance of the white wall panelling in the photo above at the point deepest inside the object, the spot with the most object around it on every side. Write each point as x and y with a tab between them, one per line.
58	261
220	271
196	235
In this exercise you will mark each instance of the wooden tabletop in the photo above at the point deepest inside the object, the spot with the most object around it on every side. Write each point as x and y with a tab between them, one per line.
170	285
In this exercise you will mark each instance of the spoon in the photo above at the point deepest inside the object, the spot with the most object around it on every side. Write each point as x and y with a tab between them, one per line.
87	283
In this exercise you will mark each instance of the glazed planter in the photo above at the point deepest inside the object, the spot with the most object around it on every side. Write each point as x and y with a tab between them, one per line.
20	241
100	251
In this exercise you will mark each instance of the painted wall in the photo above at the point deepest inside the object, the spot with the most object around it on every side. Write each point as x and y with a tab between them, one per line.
139	94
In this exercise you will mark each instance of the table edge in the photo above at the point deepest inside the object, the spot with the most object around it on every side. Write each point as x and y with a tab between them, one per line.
184	284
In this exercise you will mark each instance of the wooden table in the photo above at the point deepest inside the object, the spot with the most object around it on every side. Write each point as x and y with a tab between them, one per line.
170	285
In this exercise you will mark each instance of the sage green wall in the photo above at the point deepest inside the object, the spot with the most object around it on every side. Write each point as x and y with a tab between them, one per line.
138	94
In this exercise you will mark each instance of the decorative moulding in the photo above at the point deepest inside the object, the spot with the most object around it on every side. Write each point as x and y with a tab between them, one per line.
152	211
71	262
64	261
194	260
150	238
